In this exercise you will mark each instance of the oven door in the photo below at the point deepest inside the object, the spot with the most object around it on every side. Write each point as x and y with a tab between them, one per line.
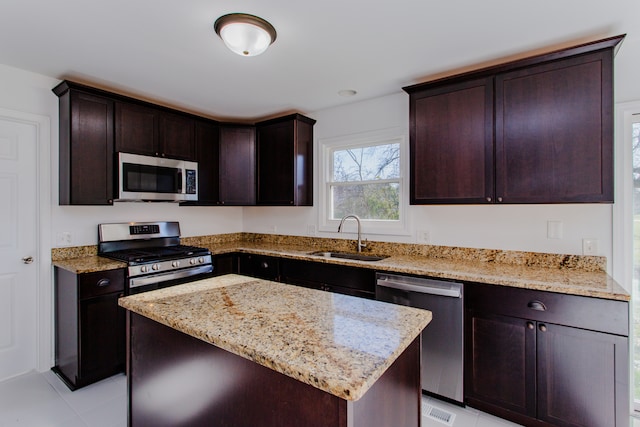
163	280
142	178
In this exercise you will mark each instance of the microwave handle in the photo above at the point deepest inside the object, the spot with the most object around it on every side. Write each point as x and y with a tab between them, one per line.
179	181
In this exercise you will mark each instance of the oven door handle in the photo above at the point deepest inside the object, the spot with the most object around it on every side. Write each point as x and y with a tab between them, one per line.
163	277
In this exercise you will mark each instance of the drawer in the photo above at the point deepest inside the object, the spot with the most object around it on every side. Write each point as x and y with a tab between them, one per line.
100	283
596	314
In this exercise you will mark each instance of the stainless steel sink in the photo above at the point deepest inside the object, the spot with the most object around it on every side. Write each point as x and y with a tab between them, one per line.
345	255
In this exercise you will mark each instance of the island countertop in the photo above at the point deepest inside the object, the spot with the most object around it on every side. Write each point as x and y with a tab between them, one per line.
337	343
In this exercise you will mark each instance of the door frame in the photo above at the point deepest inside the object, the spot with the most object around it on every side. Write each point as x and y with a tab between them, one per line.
44	272
622	227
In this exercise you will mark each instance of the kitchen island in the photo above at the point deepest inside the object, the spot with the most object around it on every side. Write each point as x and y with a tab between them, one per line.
238	351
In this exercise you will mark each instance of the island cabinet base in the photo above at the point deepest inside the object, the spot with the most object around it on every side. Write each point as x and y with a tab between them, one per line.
177	380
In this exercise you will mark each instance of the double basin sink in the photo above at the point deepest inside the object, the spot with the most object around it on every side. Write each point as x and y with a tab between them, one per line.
346	255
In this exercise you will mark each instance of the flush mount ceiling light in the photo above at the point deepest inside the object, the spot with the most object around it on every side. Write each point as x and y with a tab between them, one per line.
245	34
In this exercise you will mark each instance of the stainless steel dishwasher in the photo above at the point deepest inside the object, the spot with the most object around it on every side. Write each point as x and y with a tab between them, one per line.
442	357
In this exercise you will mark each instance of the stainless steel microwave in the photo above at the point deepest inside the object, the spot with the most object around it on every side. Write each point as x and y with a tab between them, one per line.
146	178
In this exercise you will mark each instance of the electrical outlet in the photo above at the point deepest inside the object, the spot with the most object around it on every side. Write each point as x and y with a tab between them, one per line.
589	246
64	238
554	229
311	230
423	237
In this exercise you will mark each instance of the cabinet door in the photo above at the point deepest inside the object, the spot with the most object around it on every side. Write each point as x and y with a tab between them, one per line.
554	133
237	165
86	150
275	161
285	162
500	364
136	129
208	157
177	137
582	377
263	267
225	264
102	337
451	143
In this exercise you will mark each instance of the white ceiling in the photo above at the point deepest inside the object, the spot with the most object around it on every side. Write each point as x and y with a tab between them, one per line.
167	51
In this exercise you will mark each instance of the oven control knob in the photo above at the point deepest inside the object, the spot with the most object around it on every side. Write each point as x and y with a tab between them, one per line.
144	269
175	264
192	261
200	260
155	267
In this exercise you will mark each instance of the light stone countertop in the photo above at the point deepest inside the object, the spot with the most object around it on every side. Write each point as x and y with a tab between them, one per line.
568	274
337	343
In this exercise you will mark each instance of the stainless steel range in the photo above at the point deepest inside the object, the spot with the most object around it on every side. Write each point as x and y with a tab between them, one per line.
154	255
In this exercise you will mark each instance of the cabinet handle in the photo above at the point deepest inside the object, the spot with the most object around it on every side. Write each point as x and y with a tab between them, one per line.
103	282
264	264
488	199
537	305
499	199
530	325
543	328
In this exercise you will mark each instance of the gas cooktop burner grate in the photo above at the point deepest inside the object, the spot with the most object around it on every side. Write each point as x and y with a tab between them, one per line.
155	254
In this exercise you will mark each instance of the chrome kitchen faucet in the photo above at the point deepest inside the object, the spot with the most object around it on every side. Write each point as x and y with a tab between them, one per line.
360	244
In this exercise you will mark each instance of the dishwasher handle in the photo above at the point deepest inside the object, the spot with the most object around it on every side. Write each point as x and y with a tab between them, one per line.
435	289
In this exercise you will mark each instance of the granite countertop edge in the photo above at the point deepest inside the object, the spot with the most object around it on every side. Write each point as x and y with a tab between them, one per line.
597	284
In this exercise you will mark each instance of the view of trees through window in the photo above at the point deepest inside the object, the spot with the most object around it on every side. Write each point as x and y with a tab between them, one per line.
366	181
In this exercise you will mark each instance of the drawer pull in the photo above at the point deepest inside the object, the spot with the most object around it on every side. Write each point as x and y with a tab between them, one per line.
537	305
103	282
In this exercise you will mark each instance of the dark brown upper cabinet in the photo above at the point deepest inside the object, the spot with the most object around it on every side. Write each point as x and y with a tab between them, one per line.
285	161
237	184
85	147
451	143
148	131
96	124
208	158
535	130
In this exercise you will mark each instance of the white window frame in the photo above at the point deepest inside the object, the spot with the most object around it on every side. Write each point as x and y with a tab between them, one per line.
622	262
369	226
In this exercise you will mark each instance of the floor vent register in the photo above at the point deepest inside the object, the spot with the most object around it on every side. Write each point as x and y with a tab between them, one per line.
438	414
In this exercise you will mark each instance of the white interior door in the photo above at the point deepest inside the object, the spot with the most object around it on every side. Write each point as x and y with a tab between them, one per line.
18	246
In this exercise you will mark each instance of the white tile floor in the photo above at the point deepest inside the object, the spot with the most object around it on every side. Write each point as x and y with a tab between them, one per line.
42	400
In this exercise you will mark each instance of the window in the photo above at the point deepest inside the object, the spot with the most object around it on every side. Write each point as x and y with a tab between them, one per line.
366	181
363	176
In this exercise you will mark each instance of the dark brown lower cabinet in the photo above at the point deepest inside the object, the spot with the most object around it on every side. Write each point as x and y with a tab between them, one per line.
260	266
521	364
177	380
341	279
89	326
